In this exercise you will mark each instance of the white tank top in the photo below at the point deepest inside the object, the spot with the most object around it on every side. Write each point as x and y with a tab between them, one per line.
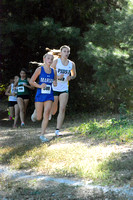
62	85
12	98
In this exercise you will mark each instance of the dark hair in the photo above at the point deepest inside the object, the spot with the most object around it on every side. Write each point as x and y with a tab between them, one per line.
24	70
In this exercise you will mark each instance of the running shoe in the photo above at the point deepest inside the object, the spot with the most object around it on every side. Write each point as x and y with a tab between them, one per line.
57	133
33	118
43	139
50	117
22	124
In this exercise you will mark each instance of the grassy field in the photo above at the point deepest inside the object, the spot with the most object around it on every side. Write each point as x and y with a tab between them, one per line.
96	148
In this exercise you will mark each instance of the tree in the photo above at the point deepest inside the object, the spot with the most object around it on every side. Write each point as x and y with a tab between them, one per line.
108	48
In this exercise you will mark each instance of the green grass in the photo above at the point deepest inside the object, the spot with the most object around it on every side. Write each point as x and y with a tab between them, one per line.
120	130
97	151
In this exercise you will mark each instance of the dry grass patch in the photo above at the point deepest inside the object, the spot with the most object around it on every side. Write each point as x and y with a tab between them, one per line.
100	151
97	163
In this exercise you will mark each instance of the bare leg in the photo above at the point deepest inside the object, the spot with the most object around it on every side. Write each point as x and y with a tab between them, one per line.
55	105
16	114
21	107
26	101
47	109
63	99
39	110
11	110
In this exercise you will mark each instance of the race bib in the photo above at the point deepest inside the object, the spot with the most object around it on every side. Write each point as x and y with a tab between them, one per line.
21	89
62	79
46	90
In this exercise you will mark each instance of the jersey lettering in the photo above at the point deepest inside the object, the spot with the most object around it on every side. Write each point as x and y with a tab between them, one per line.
64	71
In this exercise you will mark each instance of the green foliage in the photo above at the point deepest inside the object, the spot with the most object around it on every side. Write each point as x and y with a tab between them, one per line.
122	111
30	40
2	89
102	30
108	48
113	129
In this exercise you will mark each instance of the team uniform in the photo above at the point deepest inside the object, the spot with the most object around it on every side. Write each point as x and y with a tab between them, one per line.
12	100
62	84
45	94
23	92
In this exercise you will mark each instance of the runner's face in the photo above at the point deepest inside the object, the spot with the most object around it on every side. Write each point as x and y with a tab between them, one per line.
23	74
65	52
49	59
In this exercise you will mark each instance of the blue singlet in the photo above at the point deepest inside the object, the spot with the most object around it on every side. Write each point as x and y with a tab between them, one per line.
46	94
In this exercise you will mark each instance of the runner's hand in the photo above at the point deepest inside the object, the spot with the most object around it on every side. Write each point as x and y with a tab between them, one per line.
24	84
43	85
13	94
69	78
54	83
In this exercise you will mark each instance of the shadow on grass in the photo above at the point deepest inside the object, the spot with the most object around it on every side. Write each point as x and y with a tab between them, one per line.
118	169
23	146
52	191
4	122
19	150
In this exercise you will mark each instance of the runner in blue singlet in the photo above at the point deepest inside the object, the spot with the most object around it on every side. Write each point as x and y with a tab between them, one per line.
44	96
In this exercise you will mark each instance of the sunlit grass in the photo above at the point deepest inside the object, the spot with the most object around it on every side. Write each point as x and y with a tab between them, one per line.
121	130
4	151
74	160
103	160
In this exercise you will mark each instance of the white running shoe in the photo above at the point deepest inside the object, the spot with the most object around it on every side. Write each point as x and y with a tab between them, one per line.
57	133
43	139
50	117
33	118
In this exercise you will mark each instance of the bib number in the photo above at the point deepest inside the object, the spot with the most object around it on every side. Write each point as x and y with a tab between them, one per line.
46	90
21	89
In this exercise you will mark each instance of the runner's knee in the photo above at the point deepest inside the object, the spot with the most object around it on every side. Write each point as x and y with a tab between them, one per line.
22	109
62	109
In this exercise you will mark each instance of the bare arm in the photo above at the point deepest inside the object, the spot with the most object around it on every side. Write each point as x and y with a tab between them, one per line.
16	82
8	91
34	77
55	78
73	72
28	86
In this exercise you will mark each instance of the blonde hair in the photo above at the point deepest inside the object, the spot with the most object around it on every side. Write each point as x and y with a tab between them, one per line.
56	52
48	53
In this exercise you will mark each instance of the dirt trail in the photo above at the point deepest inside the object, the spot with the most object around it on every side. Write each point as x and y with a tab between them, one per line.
26	184
84	190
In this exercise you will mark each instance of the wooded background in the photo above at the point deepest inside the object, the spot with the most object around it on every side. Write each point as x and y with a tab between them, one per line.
99	33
